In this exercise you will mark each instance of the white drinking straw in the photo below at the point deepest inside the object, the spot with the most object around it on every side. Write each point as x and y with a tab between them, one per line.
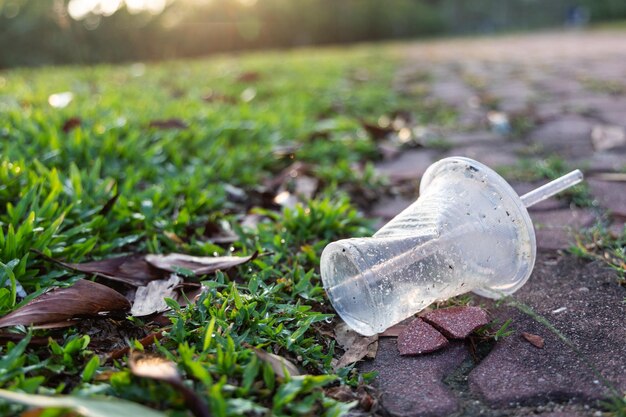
552	188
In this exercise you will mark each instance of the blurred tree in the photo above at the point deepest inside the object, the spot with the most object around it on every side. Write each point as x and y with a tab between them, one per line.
36	32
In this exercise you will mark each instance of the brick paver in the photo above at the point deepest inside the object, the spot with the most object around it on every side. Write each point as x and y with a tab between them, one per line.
522	99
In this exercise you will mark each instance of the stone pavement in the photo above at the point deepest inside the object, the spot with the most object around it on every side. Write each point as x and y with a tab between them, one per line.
523	104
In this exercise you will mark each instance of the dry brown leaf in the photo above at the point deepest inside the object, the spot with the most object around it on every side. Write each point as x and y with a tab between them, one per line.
306	187
216	97
375	131
168	124
199	265
372	349
83	299
131	269
249	77
533	339
218	234
173	237
154	367
150	299
161	369
71	124
362	347
278	363
294	170
344	335
341	393
366	401
15	338
56	325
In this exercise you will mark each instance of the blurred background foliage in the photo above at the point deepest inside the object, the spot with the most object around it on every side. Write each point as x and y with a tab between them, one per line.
40	32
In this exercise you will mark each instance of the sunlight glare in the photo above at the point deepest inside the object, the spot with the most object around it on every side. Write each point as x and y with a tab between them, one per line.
80	9
152	6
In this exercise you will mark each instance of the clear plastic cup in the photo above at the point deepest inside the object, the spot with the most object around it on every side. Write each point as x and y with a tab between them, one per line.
467	231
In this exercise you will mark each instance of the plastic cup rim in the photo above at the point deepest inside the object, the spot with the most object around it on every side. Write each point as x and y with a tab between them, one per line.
507	191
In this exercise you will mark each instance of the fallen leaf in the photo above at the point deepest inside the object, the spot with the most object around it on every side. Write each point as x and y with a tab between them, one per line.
139	270
249	77
161	369
150	299
306	186
372	349
262	196
15	338
83	299
215	97
341	393
71	124
199	265
286	199
278	363
173	237
87	407
154	367
251	221
457	322
168	124
216	233
375	131
131	269
533	339
356	347
292	171
344	335
56	325
361	347
366	401
420	337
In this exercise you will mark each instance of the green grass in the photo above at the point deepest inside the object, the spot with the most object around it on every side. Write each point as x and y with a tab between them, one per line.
57	195
598	243
610	87
611	25
549	168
